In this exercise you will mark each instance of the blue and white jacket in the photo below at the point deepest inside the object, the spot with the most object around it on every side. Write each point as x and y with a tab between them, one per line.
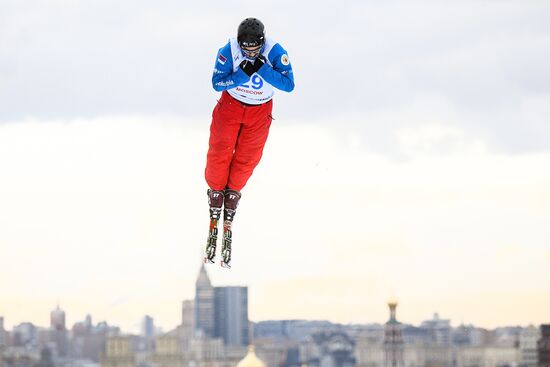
258	88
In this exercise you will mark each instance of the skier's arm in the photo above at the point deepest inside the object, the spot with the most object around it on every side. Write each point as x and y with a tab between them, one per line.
223	77
280	75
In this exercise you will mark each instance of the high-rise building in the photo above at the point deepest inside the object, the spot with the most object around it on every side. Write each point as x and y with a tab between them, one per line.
543	346
57	319
231	315
204	304
393	340
148	327
58	331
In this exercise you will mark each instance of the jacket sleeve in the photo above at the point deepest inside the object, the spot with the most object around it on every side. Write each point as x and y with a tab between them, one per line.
223	77
280	75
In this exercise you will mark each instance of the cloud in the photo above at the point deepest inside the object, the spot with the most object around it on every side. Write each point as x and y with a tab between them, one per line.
78	59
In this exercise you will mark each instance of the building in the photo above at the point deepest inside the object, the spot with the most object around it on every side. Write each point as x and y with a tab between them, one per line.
393	340
57	319
25	335
207	352
528	346
188	318
251	360
275	354
120	352
296	330
19	356
487	356
89	346
2	332
204	305
58	332
231	315
168	352
328	349
88	322
45	359
218	312
439	330
414	335
148	327
369	350
543	346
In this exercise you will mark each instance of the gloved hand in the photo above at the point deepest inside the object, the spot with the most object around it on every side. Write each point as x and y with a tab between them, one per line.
247	67
259	62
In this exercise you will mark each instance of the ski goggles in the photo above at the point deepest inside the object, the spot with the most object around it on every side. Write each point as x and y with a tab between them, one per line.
251	51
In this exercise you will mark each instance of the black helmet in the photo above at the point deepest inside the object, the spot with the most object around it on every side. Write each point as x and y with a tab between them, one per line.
251	33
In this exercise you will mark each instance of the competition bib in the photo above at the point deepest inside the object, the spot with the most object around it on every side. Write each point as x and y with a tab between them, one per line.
257	90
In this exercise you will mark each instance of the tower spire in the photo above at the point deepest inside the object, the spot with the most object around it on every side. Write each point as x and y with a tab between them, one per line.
393	340
203	279
204	304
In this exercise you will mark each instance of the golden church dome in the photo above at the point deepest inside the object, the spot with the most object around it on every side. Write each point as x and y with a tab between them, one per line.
250	360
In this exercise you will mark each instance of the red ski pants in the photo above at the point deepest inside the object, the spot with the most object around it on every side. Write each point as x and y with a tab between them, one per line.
237	137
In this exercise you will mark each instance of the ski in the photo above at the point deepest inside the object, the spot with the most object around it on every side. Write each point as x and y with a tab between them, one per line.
231	201
226	244
212	240
215	201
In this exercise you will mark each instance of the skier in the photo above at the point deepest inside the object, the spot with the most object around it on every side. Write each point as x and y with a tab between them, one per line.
247	70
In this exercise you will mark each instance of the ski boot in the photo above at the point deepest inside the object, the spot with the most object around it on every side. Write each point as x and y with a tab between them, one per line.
231	201
215	201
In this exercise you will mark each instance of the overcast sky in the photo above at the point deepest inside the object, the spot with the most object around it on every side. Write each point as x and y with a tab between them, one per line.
411	160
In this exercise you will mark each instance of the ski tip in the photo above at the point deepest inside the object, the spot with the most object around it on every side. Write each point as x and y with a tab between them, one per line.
208	261
225	265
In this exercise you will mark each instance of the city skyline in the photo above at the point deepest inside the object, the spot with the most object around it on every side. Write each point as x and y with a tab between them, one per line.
58	315
408	161
161	330
286	343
